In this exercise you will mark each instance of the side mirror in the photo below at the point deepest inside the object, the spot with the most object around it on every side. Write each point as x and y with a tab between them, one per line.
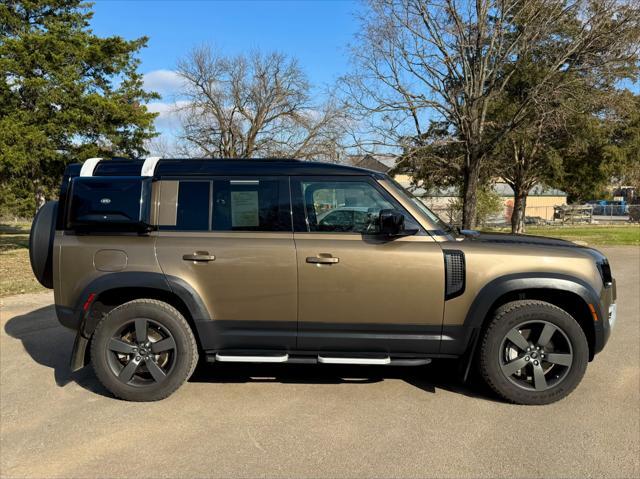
390	223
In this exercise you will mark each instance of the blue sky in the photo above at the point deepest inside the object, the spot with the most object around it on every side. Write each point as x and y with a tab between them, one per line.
316	32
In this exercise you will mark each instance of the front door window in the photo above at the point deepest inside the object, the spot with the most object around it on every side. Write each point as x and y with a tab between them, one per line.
342	206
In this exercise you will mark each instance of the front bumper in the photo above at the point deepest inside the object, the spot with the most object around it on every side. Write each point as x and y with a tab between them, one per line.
607	316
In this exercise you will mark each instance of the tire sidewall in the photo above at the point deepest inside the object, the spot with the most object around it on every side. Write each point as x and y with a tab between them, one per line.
491	352
166	316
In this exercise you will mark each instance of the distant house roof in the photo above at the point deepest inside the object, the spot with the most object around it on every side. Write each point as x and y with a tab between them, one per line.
501	189
381	163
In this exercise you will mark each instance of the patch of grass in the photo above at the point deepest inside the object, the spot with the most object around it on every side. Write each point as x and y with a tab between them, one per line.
604	235
16	276
20	227
9	242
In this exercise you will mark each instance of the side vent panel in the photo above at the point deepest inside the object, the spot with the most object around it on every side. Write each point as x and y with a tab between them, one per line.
454	273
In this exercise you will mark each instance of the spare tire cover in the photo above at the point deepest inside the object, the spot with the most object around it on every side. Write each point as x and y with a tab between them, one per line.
41	237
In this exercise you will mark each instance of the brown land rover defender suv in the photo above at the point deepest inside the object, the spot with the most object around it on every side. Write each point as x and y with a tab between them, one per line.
158	262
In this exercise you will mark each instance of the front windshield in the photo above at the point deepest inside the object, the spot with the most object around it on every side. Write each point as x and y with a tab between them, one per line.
434	218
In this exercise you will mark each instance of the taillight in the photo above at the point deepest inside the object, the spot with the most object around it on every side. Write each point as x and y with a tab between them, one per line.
88	302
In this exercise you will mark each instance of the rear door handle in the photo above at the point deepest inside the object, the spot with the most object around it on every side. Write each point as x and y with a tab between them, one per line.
200	256
322	260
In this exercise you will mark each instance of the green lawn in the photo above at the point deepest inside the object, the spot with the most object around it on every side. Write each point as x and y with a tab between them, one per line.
602	235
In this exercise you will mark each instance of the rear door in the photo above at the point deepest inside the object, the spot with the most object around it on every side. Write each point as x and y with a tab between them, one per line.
358	291
231	239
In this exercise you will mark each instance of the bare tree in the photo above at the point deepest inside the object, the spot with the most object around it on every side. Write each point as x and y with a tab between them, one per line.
526	163
420	61
255	105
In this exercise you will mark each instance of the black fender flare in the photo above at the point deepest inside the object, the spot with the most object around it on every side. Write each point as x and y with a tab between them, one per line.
85	323
493	290
464	338
147	280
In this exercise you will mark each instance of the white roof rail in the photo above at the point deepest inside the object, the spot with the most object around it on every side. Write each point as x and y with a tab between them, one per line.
149	165
88	166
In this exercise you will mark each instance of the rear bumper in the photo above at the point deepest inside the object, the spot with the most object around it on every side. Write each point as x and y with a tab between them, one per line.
68	317
606	317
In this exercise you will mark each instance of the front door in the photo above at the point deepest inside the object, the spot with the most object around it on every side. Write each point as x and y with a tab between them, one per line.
358	291
231	240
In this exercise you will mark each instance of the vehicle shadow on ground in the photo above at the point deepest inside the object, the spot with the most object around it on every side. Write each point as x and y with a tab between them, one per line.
441	374
49	344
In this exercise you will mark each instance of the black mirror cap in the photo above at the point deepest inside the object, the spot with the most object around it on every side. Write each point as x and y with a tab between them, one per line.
391	222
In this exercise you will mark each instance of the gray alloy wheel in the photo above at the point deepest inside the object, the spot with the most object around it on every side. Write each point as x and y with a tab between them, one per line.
143	350
533	352
536	355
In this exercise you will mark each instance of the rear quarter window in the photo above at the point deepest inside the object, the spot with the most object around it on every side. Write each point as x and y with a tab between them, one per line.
192	210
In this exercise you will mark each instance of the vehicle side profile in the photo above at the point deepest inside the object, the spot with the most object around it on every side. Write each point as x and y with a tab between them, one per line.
156	263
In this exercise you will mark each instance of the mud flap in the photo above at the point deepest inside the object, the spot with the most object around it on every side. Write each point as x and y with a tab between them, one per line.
78	353
466	361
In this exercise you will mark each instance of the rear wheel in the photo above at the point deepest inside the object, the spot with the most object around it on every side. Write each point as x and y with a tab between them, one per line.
533	352
143	350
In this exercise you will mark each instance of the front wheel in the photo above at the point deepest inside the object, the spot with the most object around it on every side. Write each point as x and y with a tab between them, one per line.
533	352
143	350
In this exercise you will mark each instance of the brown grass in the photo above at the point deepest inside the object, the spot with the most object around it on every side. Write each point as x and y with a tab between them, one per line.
16	276
15	273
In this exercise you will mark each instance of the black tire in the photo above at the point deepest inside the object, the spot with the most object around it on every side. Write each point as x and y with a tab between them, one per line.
43	230
515	365
154	374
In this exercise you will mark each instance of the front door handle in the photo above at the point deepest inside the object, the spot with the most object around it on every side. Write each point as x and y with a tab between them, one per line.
203	256
322	260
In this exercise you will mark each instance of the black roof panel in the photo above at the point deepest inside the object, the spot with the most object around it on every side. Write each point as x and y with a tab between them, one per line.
180	167
232	167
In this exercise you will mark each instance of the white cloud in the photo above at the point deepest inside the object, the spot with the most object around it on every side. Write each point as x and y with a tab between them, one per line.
168	114
166	82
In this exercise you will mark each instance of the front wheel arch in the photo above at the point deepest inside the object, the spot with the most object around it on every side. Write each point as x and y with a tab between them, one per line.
569	293
570	302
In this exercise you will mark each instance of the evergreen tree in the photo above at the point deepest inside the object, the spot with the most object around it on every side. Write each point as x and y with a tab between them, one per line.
65	95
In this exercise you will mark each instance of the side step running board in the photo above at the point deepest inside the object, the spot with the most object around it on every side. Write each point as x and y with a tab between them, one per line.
230	357
234	358
356	360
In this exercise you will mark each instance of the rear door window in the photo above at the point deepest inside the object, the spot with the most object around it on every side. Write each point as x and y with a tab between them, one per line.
251	204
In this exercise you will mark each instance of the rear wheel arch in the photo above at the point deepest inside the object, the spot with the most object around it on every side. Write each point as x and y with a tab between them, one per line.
112	298
143	350
114	289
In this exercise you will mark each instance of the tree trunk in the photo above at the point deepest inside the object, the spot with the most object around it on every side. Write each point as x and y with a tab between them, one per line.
470	192
519	208
39	196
